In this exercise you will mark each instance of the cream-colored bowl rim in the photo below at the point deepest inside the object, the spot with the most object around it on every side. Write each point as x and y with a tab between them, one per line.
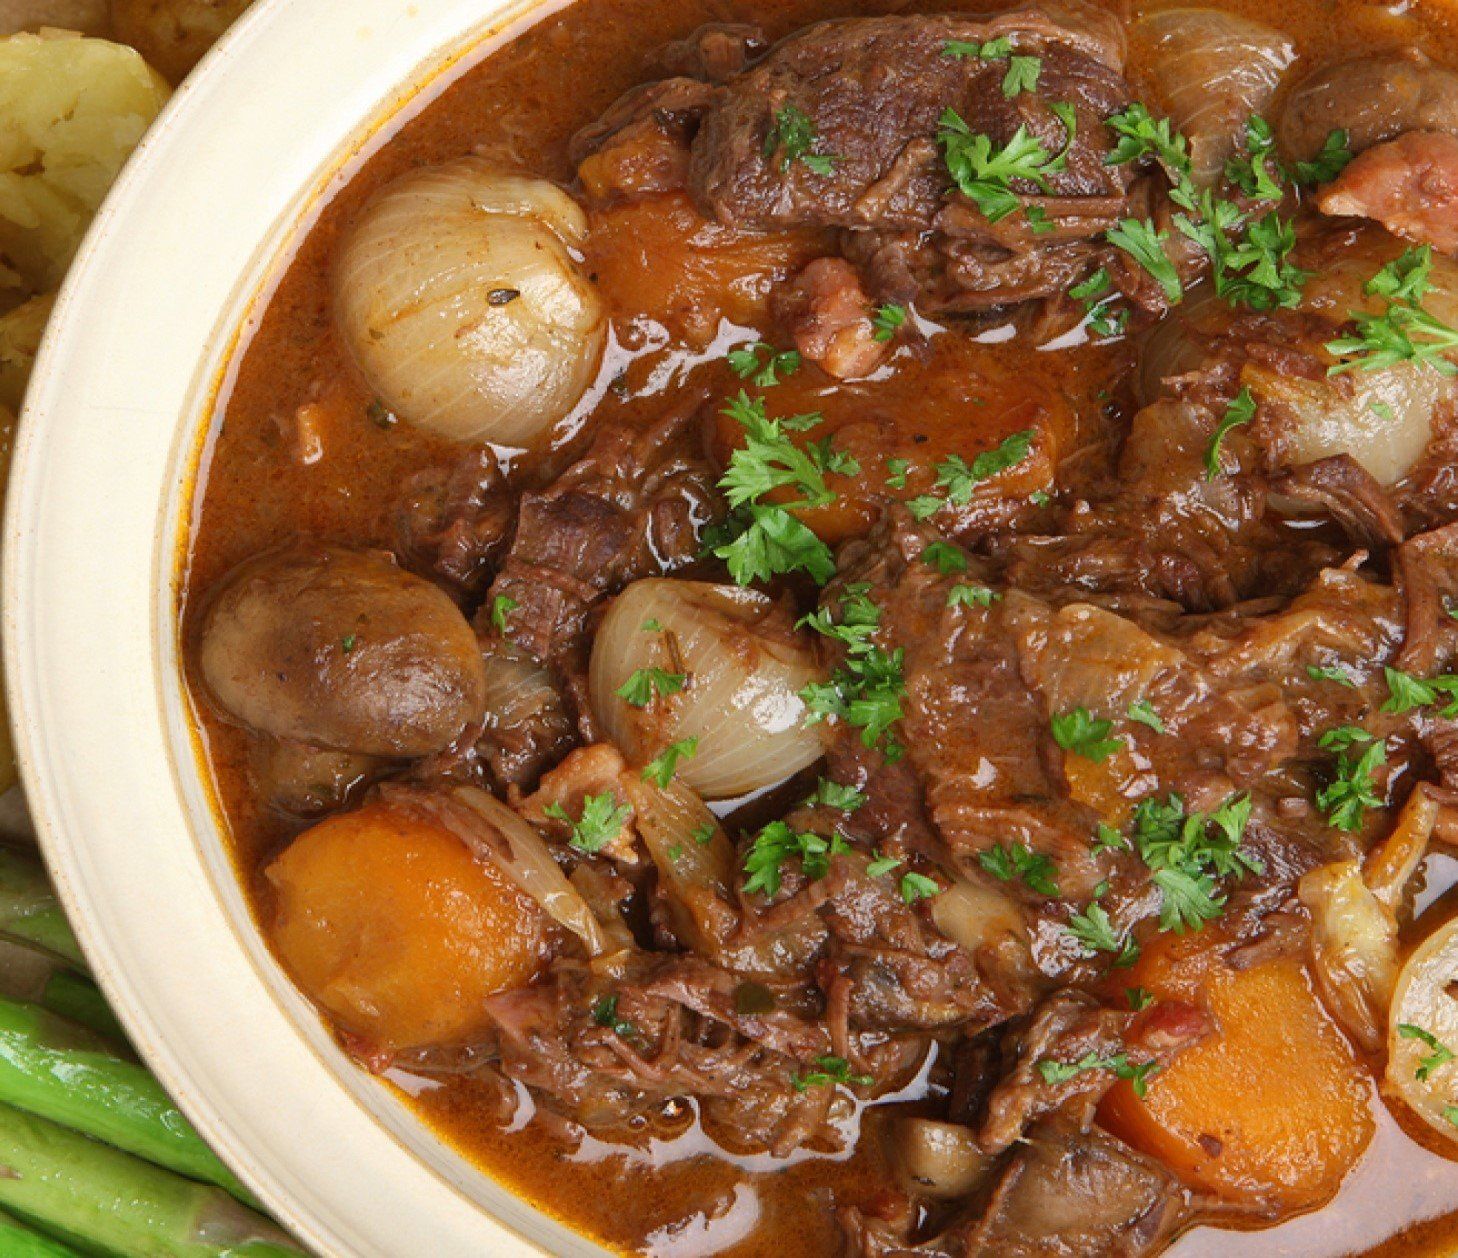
97	501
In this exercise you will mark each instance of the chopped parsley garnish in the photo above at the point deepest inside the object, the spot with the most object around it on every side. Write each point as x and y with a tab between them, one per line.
992	50
1142	711
1055	1072
764	363
793	136
347	643
647	684
1441	1054
1142	135
1328	163
1093	929
984	173
1142	242
501	607
1330	672
605	1014
664	765
1352	789
1404	331
1038	220
1022	75
1084	735
896	472
882	865
958	478
830	1070
1241	410
602	820
888	320
1255	172
971	596
1108	839
652	625
835	795
1406	692
916	887
1187	852
1138	998
380	415
867	688
776	844
944	557
704	834
1037	871
766	539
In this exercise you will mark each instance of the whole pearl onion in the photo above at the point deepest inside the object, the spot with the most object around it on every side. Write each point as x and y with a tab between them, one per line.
463	306
743	665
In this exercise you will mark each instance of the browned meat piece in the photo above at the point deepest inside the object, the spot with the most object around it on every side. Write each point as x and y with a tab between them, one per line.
1067	1028
829	319
1372	99
1341	488
631	507
587	771
641	145
1427	574
1409	185
716	52
873	91
341	649
453	522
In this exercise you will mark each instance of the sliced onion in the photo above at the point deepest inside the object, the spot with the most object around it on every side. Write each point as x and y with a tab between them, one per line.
989	925
1422	1000
937	1159
1354	949
464	307
1211	70
743	665
493	832
519	690
694	858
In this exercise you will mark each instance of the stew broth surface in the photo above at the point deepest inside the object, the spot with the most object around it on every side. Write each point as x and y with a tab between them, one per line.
267	478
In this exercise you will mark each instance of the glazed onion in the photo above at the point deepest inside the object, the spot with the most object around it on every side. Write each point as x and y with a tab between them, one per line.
1422	1002
938	1159
462	302
1353	949
1213	70
742	665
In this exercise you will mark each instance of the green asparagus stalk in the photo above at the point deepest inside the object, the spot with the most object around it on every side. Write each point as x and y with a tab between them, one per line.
76	997
19	1241
98	1197
29	911
65	1072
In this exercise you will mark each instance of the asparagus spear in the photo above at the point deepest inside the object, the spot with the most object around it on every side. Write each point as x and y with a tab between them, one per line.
29	912
100	1198
76	997
67	1073
18	1241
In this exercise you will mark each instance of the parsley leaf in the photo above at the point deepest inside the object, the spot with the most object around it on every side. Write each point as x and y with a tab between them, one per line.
984	174
646	684
501	607
745	362
888	320
1255	173
866	689
897	470
601	821
1441	1054
766	540
1142	711
792	135
1406	692
1352	789
1079	732
1383	340
944	557
1186	852
1017	859
1330	672
1022	75
1138	998
776	844
971	596
835	795
992	50
1145	245
831	1070
605	1014
916	887
882	865
1241	410
1328	163
1141	135
1056	1072
1093	929
664	765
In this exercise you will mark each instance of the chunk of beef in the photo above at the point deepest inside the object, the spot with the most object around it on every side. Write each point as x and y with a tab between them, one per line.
1427	574
874	91
1409	185
1372	98
716	52
1343	489
828	316
640	146
453	522
631	507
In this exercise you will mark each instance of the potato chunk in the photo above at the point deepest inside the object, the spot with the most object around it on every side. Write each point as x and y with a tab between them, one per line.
392	926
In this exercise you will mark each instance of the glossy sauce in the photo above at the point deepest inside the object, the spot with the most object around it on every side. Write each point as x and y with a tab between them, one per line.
294	451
